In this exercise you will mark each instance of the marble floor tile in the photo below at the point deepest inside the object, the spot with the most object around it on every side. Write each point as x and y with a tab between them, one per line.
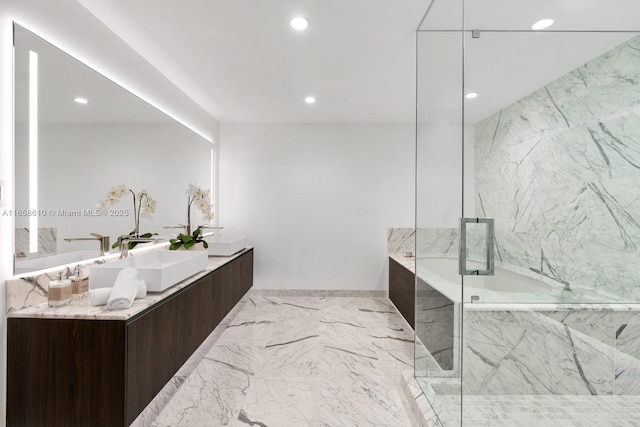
211	396
281	402
299	361
348	404
294	357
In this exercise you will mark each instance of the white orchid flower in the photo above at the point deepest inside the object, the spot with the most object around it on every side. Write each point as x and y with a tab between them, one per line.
192	190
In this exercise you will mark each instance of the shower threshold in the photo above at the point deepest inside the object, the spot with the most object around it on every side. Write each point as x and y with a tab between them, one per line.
445	398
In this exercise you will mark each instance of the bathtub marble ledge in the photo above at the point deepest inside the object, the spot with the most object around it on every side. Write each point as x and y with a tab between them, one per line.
407	262
618	307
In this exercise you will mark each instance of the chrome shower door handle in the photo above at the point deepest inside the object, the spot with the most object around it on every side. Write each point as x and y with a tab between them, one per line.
463	255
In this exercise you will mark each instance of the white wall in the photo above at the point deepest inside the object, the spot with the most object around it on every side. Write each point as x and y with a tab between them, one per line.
316	200
79	163
439	172
67	24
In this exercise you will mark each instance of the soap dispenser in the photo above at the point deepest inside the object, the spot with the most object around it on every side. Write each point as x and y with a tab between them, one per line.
79	284
59	291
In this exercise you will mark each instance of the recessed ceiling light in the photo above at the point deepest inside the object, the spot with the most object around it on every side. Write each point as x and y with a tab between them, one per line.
471	95
80	100
299	23
542	24
310	100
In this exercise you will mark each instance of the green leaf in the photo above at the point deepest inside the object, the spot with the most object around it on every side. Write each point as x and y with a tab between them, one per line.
174	246
189	244
187	239
205	244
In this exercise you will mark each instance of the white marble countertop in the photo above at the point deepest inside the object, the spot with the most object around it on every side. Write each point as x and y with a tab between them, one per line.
448	289
82	309
407	262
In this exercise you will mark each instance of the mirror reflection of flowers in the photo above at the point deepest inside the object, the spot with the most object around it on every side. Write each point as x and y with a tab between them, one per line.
143	206
201	200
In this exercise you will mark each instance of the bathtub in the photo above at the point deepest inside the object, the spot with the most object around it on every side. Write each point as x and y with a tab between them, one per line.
525	337
506	286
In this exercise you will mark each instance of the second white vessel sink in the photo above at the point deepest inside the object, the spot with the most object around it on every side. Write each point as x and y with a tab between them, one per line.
226	245
159	269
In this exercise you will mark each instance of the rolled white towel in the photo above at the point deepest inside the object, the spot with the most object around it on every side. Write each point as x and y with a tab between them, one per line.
141	289
124	289
100	296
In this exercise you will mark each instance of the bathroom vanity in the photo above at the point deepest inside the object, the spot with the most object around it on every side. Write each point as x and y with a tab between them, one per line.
402	286
88	366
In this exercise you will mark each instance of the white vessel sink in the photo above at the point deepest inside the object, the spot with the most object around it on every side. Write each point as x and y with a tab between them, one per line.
159	269
32	264
226	245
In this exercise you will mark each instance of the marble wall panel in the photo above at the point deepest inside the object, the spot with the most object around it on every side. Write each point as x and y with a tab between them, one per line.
401	240
559	172
435	324
627	359
437	242
47	241
553	352
604	86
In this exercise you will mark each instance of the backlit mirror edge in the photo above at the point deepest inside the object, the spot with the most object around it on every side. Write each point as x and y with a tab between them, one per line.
213	161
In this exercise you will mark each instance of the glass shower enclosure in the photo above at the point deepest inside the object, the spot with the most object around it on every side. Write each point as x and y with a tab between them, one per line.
528	213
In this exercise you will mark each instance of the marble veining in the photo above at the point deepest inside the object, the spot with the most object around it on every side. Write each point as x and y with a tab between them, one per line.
303	361
47	241
421	411
456	409
559	171
518	356
435	317
28	297
150	413
437	242
401	240
407	262
546	352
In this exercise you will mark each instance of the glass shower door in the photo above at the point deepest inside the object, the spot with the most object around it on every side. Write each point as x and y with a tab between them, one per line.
439	205
554	141
540	132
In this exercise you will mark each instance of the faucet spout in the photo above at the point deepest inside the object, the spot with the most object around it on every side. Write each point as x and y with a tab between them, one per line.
567	285
103	240
125	240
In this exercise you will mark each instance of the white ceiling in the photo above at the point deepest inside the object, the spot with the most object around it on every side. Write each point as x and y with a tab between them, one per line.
61	78
241	62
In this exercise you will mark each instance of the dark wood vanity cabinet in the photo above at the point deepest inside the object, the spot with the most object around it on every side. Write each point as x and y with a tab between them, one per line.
402	290
79	372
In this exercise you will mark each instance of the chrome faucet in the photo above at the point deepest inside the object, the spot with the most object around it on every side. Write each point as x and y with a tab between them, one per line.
125	240
104	242
567	286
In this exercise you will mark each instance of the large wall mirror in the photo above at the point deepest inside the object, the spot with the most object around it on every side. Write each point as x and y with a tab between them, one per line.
68	155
